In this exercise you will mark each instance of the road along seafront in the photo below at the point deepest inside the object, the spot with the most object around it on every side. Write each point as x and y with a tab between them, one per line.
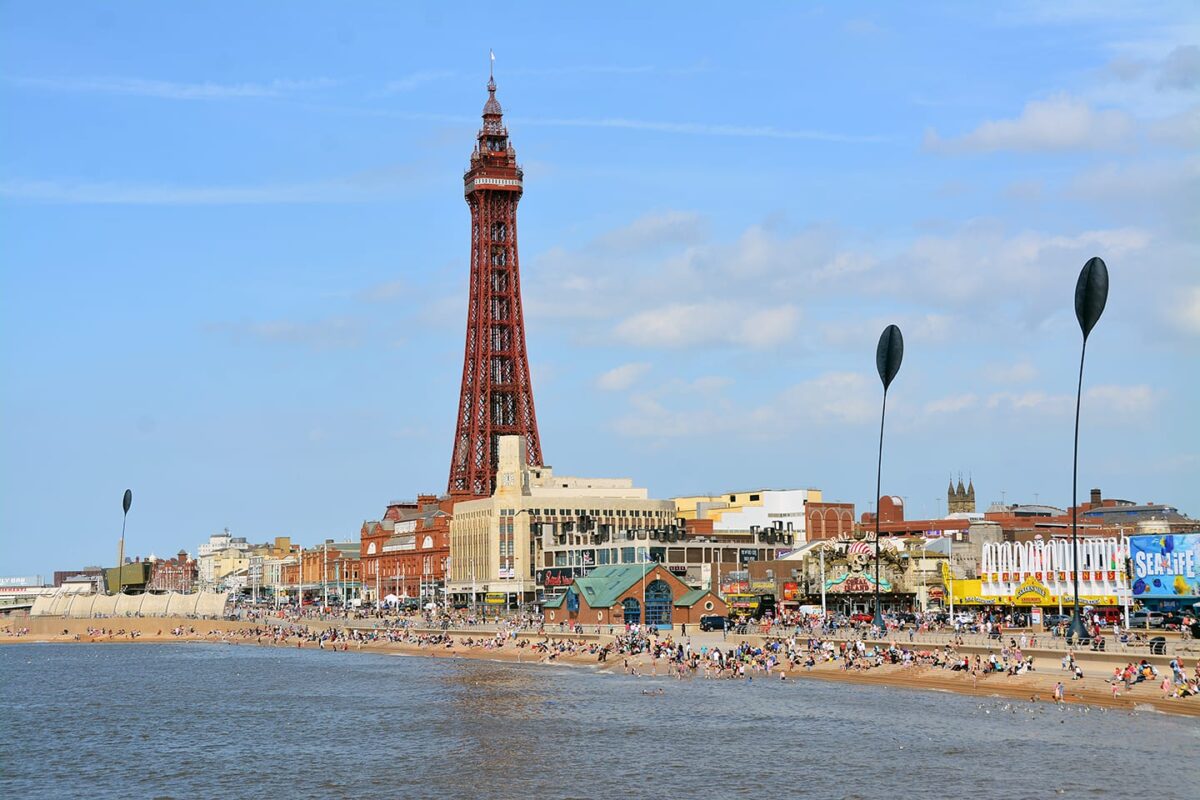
698	656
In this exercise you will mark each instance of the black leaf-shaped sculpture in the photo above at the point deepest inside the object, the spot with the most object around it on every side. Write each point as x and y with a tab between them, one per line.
1091	294
888	355
127	500
890	352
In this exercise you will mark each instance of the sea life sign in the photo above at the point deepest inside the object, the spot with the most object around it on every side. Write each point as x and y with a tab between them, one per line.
1165	565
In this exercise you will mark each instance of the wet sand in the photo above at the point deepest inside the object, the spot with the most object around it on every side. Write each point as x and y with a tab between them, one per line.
1037	686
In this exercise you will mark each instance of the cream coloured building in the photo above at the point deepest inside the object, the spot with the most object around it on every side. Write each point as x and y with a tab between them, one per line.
781	509
537	521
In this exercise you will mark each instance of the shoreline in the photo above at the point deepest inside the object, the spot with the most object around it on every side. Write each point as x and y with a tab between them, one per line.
1091	691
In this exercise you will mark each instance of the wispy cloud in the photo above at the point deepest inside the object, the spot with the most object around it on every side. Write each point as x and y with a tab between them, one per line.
363	187
623	123
701	129
686	325
170	90
417	79
331	333
1059	123
620	378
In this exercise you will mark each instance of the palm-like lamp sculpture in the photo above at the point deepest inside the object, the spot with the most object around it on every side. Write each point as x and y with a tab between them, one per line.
888	355
1091	294
126	502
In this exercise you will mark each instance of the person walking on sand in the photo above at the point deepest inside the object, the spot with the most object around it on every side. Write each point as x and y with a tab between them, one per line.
1058	692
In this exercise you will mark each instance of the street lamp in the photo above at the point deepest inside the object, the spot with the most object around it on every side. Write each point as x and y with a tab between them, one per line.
1091	294
888	355
126	502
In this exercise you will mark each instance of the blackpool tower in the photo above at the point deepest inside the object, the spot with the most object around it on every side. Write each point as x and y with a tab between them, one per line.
497	397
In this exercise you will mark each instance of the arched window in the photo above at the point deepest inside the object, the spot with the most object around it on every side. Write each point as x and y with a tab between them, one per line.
427	543
631	610
371	549
659	604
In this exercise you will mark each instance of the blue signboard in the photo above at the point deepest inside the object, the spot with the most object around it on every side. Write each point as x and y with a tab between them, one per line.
1165	565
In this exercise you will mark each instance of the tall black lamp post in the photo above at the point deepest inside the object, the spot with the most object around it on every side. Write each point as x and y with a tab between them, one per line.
126	502
888	355
1091	294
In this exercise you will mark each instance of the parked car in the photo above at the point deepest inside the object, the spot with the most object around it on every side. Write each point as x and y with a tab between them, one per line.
862	617
1051	620
713	622
1145	619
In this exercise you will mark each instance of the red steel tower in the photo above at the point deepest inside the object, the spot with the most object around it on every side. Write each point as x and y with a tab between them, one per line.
497	397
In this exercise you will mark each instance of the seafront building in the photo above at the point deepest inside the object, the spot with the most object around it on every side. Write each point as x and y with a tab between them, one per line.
538	529
767	509
219	556
176	574
631	594
330	571
405	554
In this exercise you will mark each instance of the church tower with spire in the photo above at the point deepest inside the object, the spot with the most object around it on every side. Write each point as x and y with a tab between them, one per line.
496	398
960	499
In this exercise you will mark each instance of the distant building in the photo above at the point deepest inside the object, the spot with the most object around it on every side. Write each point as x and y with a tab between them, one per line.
406	552
960	500
212	565
828	520
633	594
781	509
539	525
173	574
94	573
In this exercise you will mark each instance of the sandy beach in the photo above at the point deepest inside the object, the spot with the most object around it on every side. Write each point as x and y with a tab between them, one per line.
1038	686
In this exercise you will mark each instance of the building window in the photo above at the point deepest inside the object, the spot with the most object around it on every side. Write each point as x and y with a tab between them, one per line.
631	610
659	604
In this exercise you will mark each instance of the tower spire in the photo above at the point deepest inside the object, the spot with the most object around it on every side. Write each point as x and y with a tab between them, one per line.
497	396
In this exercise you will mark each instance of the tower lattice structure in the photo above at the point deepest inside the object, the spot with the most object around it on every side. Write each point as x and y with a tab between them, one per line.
497	396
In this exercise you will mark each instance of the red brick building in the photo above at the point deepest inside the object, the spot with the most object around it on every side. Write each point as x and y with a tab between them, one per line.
634	594
176	574
828	520
406	553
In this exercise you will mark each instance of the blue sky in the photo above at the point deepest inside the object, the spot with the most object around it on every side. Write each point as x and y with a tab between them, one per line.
234	262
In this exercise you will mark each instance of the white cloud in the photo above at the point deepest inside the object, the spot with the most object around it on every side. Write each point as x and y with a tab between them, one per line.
847	397
951	404
677	410
383	292
1180	130
622	377
1033	400
861	333
1181	69
1185	313
1131	400
701	129
683	325
1019	372
1055	124
655	230
172	90
1107	400
344	190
